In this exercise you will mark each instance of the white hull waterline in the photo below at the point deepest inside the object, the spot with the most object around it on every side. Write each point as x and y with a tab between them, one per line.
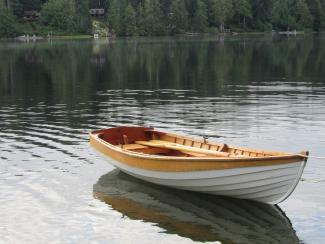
270	185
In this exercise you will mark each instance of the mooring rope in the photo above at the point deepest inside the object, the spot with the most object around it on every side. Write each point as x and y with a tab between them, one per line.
317	157
312	180
304	155
307	156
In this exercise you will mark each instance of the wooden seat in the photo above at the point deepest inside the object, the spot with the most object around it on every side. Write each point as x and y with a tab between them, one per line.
194	154
133	147
182	148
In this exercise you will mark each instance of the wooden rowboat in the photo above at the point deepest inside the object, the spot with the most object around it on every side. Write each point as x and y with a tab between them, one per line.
198	165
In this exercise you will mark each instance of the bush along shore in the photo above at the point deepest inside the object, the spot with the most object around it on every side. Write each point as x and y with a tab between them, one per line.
157	17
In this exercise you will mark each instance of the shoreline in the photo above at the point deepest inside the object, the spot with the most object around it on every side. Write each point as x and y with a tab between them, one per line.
88	36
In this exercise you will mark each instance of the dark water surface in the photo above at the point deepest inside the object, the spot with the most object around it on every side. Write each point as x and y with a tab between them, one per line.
265	92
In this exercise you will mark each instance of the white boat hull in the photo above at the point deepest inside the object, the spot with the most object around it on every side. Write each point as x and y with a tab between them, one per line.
268	184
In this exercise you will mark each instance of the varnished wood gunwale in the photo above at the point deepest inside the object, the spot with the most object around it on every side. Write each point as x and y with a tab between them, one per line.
181	164
198	142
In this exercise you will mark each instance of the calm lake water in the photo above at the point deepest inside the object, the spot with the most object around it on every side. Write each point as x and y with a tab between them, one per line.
265	92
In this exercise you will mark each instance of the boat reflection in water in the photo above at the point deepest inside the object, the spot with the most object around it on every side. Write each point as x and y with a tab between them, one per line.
196	216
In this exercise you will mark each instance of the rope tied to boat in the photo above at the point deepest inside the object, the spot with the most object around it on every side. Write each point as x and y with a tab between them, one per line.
316	157
306	156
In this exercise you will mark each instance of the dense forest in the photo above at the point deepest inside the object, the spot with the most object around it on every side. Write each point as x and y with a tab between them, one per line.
161	17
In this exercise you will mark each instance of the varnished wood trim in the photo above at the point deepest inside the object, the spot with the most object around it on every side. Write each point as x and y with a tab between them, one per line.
183	164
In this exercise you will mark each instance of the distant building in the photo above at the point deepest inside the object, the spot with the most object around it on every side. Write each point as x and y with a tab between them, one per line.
31	15
97	12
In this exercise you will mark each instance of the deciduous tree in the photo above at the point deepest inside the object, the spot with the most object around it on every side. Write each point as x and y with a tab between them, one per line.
242	11
59	14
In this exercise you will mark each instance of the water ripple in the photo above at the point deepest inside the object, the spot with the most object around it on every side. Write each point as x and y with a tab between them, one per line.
45	147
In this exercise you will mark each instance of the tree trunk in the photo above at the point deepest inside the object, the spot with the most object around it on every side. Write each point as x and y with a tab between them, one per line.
222	27
8	4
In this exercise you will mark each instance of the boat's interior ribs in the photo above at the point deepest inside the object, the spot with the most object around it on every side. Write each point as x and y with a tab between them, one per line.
147	141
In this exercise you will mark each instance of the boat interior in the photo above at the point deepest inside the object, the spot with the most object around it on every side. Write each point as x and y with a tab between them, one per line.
149	141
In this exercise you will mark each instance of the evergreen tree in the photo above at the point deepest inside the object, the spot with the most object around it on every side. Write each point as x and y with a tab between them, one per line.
82	16
28	5
116	16
140	20
153	18
283	14
200	19
322	3
303	16
160	17
262	10
317	13
7	22
130	20
178	16
191	6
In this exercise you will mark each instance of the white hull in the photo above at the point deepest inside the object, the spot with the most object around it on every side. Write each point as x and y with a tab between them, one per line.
268	184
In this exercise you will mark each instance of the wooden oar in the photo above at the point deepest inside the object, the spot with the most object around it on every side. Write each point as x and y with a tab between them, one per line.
175	146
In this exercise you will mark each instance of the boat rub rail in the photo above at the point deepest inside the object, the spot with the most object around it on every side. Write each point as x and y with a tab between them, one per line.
116	141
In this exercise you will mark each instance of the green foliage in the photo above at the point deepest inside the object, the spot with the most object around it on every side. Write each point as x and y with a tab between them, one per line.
302	14
242	11
2	4
220	12
200	19
28	5
262	10
7	23
294	14
59	14
283	14
317	12
161	17
177	17
140	19
15	7
116	16
82	17
153	18
130	20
